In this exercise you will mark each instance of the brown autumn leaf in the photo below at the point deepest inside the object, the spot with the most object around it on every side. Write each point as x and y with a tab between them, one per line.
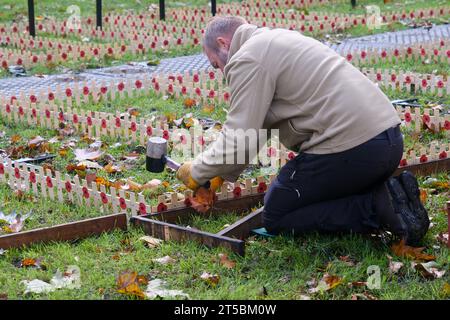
189	103
75	167
15	139
226	262
128	283
394	266
87	139
210	279
402	250
446	289
111	168
423	195
63	152
202	200
151	242
36	142
328	282
208	108
48	166
442	237
428	270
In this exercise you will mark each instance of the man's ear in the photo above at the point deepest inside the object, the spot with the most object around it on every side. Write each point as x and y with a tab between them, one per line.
223	43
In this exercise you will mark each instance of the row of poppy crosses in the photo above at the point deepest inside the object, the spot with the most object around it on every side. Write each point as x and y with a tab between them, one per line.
141	38
198	89
49	112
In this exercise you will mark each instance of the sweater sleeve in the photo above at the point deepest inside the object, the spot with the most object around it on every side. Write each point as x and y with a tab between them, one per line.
252	89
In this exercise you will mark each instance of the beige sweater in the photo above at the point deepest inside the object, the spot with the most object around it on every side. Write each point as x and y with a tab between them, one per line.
280	79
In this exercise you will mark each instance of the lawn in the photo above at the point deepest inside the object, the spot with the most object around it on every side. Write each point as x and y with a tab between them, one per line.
312	266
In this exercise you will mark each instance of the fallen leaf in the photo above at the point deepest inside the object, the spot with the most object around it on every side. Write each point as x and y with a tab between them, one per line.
157	288
208	108
85	154
2	252
347	260
111	168
89	165
189	103
423	195
202	200
15	139
226	262
446	289
442	238
164	260
428	270
70	280
35	142
210	279
363	296
14	221
402	250
151	242
394	266
328	282
3	296
127	283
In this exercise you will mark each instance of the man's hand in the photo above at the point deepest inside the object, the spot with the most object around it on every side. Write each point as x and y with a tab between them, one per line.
184	174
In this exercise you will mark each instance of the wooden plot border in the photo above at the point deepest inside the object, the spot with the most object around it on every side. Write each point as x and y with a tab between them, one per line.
65	232
163	225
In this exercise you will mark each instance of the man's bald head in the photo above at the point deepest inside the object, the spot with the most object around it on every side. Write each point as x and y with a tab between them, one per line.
217	39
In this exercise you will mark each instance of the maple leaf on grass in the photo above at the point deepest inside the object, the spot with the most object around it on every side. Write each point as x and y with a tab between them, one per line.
128	283
402	250
203	200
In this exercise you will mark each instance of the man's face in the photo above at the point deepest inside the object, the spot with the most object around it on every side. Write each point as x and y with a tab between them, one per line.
218	58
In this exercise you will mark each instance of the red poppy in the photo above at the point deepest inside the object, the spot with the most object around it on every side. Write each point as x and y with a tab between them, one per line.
4	64
47	113
183	90
49	182
161	207
17	173
103	197
409	50
426	118
156	86
122	203
379	78
170	88
123	48
149	131
118	122
262	187
237	192
443	155
187	202
211	94
51	96
436	52
33	113
198	91
447	125
85	91
142	208
133	126
86	194
226	96
393	77
103	90
120	86
165	43
61	116
68	92
32	177
384	54
64	56
2	168
21	111
408	79
89	121
19	61
180	79
408	117
201	140
440	84
291	155
396	52
138	84
75	118
403	162
165	135
212	75
424	83
95	51
110	51
8	108
33	99
349	57
423	158
195	78
35	59
104	124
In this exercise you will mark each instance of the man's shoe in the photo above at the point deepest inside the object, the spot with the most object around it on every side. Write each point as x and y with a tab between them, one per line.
419	222
388	214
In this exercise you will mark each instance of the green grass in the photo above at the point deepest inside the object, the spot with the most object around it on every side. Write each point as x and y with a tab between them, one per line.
282	265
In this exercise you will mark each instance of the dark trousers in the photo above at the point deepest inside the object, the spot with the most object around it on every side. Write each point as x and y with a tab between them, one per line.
332	192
